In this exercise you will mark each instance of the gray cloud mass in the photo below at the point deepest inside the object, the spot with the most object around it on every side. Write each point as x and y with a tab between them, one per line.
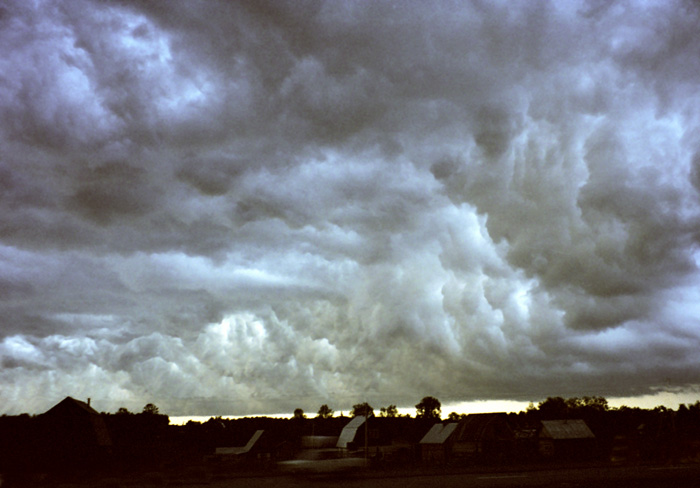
247	207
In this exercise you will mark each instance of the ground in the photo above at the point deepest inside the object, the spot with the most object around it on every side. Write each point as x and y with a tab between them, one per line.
680	476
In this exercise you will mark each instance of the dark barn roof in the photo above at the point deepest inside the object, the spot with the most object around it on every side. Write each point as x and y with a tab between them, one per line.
70	405
476	426
565	429
76	418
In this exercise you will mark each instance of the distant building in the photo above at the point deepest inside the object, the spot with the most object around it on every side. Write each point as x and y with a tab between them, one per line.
566	439
483	437
262	447
237	451
436	444
349	436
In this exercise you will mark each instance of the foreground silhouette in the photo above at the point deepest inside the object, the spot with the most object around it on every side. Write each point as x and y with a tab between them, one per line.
72	441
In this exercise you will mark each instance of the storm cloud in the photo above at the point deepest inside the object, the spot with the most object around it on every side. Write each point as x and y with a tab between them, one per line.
247	207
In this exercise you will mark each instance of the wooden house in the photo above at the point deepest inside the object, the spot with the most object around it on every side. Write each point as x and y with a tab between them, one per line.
483	437
73	434
569	439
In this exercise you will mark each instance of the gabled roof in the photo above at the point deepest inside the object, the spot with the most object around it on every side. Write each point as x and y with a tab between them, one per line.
566	429
439	433
71	404
241	449
349	431
69	411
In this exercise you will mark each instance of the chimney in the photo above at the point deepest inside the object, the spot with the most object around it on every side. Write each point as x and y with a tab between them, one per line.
88	402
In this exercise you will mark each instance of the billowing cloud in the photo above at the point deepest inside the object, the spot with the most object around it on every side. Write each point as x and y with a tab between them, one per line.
233	208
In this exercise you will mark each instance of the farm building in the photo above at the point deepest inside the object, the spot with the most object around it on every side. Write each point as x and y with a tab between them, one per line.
483	437
74	434
351	435
436	444
566	439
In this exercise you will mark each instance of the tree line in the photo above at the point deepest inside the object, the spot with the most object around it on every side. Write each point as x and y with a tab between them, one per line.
428	408
552	408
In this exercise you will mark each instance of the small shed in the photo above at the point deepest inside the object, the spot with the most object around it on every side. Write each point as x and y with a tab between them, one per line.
436	443
569	438
486	437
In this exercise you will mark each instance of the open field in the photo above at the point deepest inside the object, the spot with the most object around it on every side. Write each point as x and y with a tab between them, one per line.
618	477
679	476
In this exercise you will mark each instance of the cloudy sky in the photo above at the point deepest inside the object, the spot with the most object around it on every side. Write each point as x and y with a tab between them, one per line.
231	208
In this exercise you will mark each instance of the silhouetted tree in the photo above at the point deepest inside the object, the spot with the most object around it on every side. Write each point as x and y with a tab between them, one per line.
553	408
598	403
325	412
454	416
362	409
151	409
123	411
299	414
428	408
390	411
579	407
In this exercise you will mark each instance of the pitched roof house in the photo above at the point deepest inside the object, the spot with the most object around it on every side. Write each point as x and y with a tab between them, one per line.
78	420
72	435
569	438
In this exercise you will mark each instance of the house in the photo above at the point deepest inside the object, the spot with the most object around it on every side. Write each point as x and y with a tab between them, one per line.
435	446
569	439
80	421
72	434
484	437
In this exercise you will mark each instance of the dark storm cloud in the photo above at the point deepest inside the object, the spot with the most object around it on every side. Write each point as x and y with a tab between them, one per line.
245	207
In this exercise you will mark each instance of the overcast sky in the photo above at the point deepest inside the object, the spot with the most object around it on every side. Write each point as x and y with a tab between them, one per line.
231	208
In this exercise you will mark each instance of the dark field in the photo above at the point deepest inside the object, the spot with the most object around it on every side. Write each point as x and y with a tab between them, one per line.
619	477
602	476
684	476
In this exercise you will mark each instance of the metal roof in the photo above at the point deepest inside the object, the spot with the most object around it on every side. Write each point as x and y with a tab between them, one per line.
439	433
241	449
566	429
349	431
